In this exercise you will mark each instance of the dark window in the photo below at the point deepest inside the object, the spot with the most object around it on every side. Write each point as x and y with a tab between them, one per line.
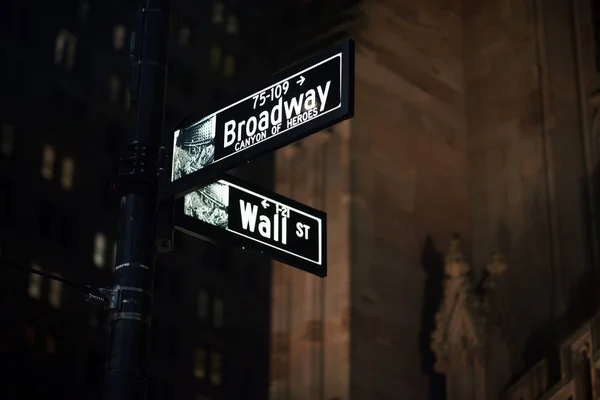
79	107
58	97
188	81
112	139
152	395
110	195
84	11
24	26
6	16
27	390
169	115
19	81
7	203
209	255
50	345
248	379
3	62
95	370
167	391
83	63
224	264
66	230
30	336
173	343
46	218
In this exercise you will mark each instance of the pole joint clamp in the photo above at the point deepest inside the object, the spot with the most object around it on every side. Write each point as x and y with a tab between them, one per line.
111	298
139	167
114	297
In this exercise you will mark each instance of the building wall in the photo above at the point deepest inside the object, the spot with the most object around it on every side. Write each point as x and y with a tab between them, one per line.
310	317
527	87
471	117
409	177
406	179
509	199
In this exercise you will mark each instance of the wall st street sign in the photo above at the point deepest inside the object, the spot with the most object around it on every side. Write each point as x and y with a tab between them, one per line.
231	211
297	102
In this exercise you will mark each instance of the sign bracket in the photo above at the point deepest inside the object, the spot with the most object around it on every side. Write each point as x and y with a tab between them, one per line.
164	226
200	199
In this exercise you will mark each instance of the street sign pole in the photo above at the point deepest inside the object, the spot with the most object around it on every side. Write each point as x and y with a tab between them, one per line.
131	299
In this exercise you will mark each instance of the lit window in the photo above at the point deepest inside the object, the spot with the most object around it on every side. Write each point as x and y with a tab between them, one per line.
55	293
215	56
68	169
50	345
232	25
99	250
216	368
218	312
202	304
218	11
200	363
65	49
30	336
8	139
119	37
184	36
47	169
229	67
59	49
34	290
114	87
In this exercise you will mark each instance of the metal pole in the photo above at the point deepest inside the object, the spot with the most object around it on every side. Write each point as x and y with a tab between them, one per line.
131	301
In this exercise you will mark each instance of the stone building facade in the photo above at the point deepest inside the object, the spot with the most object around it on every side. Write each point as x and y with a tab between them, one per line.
476	117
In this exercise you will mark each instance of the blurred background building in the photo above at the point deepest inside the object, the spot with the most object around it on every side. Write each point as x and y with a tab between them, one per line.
64	105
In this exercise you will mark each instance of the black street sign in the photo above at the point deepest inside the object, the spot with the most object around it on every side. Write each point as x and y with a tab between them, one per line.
233	212
297	102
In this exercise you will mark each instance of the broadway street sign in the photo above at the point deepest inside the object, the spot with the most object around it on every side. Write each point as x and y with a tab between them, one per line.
299	101
233	212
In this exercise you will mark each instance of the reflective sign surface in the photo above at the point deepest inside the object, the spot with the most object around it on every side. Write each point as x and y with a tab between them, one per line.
302	100
234	212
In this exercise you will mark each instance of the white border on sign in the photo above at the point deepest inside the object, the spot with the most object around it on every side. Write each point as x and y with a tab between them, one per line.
175	136
338	55
320	260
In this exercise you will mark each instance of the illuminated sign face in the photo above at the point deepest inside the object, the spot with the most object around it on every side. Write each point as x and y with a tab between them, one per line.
230	211
300	101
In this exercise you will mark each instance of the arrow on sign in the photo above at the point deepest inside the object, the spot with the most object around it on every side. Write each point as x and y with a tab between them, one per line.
255	124
289	232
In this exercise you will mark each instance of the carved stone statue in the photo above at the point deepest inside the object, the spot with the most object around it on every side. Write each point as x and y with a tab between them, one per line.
460	340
